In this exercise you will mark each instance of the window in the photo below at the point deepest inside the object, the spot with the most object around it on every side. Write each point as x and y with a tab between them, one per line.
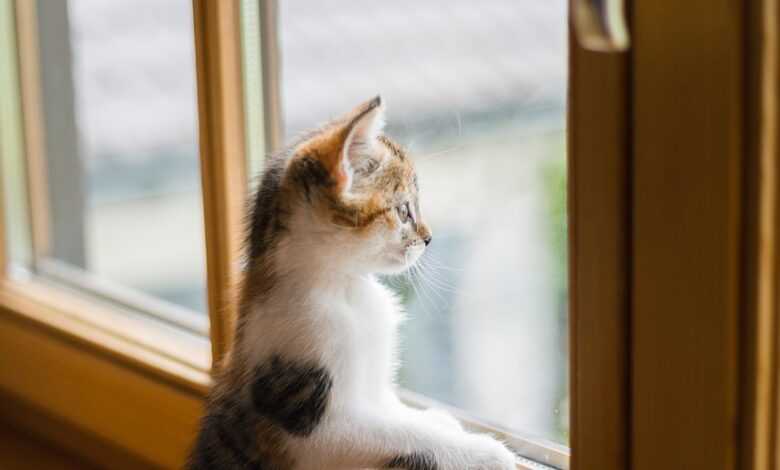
116	190
477	92
102	266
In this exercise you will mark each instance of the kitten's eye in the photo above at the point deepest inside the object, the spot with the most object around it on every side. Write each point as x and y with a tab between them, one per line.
403	212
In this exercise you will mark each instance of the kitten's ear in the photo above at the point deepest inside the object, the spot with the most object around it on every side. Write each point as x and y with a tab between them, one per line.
359	138
363	127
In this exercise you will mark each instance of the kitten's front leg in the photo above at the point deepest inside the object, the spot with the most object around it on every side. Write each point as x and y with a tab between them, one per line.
436	416
369	439
441	418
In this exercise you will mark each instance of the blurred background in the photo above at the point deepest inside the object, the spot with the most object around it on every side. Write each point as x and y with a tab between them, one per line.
476	91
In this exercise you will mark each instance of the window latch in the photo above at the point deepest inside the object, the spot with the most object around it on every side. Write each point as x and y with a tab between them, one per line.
600	25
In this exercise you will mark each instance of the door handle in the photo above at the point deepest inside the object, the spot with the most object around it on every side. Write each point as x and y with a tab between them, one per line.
600	25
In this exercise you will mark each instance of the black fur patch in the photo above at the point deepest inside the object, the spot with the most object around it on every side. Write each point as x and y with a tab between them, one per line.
415	461
309	173
227	440
216	449
292	395
266	213
204	455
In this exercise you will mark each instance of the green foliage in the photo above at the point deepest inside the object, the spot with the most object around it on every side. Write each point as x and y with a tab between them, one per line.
553	176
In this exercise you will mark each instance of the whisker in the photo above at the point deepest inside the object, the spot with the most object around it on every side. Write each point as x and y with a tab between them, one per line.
435	262
441	153
434	278
439	268
410	278
426	299
434	287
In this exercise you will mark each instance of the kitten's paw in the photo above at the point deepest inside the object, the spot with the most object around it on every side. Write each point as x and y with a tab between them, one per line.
442	419
486	453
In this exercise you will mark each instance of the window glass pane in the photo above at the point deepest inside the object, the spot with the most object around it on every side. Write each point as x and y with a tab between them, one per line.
120	107
477	91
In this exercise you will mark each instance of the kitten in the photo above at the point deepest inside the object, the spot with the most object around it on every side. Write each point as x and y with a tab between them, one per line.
309	382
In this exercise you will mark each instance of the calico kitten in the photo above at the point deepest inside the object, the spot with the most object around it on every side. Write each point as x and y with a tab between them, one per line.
309	382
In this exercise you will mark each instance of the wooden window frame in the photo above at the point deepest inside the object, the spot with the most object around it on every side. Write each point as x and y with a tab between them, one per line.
50	254
223	159
688	164
675	329
33	127
599	226
759	397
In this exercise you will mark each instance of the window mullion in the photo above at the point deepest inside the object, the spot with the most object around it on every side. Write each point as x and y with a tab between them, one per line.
222	156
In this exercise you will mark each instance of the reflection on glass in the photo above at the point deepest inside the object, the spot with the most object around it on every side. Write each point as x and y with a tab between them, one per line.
476	90
119	98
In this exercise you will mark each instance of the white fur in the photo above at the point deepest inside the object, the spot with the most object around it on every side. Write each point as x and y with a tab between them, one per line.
327	307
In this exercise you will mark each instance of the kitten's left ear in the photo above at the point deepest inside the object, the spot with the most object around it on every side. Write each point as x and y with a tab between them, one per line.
360	132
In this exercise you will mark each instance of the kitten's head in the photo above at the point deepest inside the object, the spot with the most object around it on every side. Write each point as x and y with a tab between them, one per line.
355	195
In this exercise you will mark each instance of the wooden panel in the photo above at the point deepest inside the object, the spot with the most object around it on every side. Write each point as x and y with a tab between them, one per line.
687	138
223	159
598	191
23	452
50	431
133	411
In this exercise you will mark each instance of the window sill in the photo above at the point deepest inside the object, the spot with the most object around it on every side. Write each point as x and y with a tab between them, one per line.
134	339
538	454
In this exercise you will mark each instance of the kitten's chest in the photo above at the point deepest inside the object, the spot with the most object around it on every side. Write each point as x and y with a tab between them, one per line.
374	317
369	354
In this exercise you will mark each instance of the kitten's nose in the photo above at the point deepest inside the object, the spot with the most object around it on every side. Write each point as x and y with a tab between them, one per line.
427	240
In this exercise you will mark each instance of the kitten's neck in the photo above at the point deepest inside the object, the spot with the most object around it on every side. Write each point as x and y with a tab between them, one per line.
307	263
322	280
